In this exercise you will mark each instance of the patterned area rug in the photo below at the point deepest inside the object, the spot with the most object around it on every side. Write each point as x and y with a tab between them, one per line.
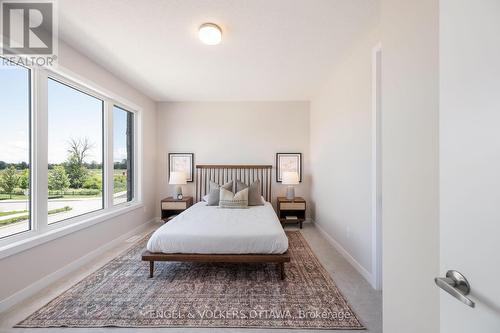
202	295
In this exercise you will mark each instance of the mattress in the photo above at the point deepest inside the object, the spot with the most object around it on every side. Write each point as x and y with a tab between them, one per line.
206	229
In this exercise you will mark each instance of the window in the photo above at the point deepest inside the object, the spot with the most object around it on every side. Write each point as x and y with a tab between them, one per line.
75	152
15	131
79	143
123	158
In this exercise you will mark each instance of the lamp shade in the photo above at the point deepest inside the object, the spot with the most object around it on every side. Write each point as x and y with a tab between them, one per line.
290	178
178	178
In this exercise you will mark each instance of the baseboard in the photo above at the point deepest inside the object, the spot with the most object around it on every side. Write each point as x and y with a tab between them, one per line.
354	263
32	289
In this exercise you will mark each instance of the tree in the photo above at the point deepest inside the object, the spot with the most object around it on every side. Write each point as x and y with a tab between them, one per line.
93	183
58	179
77	173
121	165
24	180
22	165
9	180
78	150
93	165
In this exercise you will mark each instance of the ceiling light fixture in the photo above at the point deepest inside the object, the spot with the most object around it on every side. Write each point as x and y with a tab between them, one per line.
210	33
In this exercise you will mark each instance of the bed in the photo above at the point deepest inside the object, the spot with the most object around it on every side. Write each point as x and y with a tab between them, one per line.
211	234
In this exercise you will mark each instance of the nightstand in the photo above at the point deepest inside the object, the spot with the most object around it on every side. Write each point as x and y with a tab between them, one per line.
171	207
291	211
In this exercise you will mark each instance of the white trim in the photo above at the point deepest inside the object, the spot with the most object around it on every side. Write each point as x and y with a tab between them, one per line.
354	263
89	85
107	156
376	170
39	185
51	278
138	156
38	239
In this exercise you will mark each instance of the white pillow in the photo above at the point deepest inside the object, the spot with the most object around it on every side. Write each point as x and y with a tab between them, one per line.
205	198
228	199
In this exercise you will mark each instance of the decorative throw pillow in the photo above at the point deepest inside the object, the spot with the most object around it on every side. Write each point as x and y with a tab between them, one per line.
254	197
213	195
230	200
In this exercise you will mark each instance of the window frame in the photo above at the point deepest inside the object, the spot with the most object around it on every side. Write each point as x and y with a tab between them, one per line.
41	231
31	124
134	156
104	131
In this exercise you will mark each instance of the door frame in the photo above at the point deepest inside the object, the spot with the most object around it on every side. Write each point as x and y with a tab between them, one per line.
376	168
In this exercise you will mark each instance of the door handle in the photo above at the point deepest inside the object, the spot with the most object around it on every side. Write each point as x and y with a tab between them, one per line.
456	285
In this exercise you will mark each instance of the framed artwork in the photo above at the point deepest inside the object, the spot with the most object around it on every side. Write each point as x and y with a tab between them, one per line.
288	162
181	162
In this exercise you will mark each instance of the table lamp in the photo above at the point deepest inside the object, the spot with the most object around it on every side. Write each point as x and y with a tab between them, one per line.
290	178
178	178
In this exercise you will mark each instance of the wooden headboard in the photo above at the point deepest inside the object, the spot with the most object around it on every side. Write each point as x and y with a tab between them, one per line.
221	174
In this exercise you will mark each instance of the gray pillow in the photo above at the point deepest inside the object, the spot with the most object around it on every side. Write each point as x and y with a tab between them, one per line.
254	196
213	195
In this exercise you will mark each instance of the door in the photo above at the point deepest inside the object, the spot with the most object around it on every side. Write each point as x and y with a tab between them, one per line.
470	161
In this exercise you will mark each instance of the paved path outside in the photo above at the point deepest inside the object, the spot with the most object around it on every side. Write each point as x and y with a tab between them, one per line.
79	206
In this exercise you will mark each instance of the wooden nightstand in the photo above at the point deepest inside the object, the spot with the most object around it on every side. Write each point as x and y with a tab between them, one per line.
171	207
295	208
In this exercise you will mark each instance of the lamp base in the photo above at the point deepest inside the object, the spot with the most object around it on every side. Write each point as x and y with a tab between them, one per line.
178	193
290	193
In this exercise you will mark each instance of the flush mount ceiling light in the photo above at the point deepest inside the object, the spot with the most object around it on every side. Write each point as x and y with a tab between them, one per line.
210	33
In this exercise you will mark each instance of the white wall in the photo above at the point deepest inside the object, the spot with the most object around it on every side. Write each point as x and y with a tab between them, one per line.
341	154
233	133
23	269
410	102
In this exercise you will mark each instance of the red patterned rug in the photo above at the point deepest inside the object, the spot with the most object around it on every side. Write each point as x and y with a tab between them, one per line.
202	295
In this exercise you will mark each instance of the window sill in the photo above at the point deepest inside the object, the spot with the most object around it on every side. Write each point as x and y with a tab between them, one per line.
33	239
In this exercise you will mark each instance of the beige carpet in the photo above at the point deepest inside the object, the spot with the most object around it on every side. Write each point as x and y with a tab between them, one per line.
202	295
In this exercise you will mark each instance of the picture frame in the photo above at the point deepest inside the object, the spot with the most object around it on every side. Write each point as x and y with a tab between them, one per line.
181	162
288	162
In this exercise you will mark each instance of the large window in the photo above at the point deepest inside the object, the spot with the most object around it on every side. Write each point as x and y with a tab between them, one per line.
75	152
123	149
14	149
67	155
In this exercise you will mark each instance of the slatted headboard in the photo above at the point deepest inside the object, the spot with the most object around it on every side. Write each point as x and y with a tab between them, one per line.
221	174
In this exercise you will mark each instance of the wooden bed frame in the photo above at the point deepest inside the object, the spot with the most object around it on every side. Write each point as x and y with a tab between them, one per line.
221	174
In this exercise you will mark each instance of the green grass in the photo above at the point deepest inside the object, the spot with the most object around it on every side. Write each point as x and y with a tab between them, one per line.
25	217
70	193
4	196
60	210
119	185
12	212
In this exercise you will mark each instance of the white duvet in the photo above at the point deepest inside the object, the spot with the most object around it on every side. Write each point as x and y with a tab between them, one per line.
212	230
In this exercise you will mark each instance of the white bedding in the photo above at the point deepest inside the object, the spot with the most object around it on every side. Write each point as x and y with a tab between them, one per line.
212	230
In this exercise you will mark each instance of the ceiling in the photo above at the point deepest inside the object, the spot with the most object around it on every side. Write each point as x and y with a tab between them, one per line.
271	49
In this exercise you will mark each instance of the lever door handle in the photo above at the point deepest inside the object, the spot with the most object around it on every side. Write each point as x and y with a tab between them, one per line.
456	285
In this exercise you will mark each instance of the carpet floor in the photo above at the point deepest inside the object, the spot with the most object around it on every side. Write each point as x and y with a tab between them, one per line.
120	294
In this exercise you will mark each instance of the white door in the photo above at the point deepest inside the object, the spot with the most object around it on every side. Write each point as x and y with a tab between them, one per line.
470	161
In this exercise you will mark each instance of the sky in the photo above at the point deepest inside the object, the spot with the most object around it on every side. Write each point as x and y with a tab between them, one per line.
72	114
14	117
